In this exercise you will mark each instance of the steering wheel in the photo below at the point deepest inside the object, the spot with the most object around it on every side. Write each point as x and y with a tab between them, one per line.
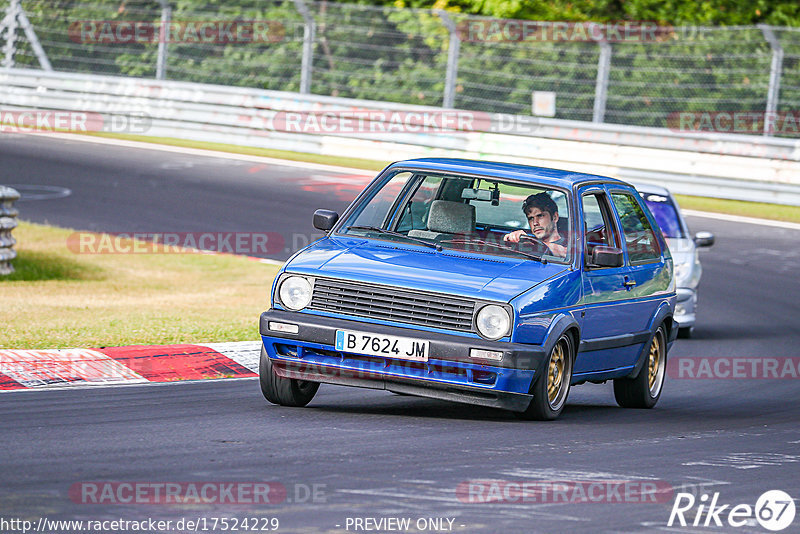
532	241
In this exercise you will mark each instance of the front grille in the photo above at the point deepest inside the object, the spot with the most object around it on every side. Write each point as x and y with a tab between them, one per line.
390	304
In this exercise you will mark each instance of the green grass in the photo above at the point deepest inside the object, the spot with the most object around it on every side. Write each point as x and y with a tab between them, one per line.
34	265
760	210
61	299
732	207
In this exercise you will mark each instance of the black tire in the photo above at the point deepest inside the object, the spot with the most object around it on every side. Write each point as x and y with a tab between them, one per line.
685	332
644	390
551	388
283	391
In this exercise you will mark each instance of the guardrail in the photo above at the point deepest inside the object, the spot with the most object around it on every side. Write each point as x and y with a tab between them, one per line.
8	221
742	167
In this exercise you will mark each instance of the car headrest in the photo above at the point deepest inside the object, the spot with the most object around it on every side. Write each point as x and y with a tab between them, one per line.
451	217
562	226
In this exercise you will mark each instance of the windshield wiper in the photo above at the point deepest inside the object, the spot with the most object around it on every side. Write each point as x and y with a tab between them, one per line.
509	249
397	234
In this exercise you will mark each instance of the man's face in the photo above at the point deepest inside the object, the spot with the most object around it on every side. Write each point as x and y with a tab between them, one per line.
542	224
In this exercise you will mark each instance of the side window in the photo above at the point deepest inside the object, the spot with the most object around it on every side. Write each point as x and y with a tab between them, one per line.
414	215
377	208
597	227
639	236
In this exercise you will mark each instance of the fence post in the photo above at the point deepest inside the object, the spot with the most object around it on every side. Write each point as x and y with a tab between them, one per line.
453	51
601	84
309	35
9	24
8	221
15	16
775	67
163	38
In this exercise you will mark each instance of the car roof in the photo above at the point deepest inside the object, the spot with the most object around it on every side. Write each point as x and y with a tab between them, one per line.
651	188
496	169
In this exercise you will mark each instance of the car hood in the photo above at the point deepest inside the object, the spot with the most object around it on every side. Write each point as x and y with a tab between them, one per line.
414	267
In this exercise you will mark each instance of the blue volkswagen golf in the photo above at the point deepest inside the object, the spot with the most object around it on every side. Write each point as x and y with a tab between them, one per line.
486	283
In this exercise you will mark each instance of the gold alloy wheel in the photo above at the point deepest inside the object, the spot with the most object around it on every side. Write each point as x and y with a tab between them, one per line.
555	373
654	365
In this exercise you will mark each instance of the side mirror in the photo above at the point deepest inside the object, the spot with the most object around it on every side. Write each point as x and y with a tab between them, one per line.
607	257
325	219
703	239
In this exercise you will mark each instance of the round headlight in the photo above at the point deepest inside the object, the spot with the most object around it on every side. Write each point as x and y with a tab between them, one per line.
295	293
493	321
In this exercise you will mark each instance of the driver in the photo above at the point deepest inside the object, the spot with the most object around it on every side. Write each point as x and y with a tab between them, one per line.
542	214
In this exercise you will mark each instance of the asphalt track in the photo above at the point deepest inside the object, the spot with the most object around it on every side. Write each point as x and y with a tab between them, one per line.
371	453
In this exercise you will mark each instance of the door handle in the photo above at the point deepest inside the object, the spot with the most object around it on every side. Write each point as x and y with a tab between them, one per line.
629	283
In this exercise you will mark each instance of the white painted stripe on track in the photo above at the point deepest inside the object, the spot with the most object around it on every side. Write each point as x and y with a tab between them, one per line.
207	153
741	219
245	353
343	170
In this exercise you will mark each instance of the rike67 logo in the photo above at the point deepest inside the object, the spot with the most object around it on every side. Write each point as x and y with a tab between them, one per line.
774	510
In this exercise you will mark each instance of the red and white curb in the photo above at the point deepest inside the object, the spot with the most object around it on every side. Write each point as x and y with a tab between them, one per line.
33	369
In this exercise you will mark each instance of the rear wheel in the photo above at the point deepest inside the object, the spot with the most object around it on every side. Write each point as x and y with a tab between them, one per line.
283	391
550	390
644	390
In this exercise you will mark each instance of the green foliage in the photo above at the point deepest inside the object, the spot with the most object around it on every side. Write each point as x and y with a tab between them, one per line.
373	50
673	12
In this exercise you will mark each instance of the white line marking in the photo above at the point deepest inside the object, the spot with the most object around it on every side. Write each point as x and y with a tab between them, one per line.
549	473
748	460
208	153
740	219
338	169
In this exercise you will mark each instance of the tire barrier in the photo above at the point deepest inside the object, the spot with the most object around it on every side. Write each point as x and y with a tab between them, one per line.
8	221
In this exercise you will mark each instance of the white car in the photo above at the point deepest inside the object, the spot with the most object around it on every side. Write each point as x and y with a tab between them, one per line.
684	251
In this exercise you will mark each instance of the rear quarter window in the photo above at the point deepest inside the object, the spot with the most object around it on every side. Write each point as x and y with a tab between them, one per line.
640	238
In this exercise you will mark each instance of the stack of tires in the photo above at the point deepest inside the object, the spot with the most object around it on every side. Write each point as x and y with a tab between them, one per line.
8	221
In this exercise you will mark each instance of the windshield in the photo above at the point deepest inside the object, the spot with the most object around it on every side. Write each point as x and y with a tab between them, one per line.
481	215
666	214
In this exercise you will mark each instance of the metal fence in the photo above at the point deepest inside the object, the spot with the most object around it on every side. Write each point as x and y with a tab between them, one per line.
421	57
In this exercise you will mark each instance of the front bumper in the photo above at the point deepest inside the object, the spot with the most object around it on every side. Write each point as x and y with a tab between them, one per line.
685	307
450	373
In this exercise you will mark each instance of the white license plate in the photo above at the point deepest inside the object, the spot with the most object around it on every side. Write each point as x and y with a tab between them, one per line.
404	348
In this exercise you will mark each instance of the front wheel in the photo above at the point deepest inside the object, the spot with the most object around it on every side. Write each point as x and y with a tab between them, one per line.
644	390
550	391
283	391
